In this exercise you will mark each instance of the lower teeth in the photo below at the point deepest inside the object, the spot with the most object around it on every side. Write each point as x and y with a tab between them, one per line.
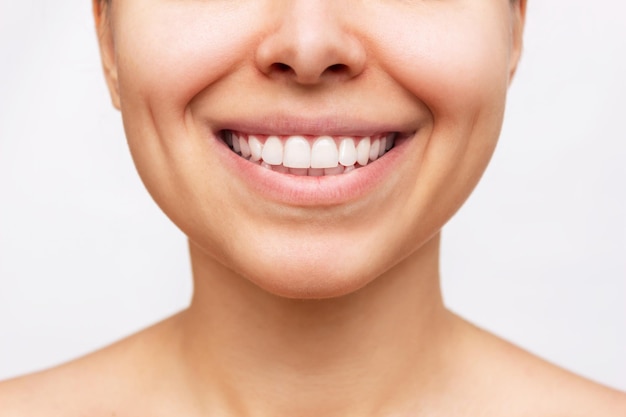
309	172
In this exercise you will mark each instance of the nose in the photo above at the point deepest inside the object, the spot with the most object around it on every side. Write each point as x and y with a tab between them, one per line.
310	44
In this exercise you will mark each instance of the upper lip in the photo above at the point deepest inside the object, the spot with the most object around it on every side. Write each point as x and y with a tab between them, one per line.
281	125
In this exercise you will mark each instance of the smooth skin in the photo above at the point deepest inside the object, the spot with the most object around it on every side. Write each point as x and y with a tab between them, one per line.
310	310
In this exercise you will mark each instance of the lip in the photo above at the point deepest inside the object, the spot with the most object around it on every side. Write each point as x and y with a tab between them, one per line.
288	126
308	191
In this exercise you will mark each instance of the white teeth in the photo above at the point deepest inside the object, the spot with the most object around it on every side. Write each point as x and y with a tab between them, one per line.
363	151
347	152
297	153
374	148
235	142
324	153
256	148
390	142
273	151
245	148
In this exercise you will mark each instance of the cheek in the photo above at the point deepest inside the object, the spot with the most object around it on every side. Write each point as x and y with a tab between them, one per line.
455	68
457	64
167	54
170	53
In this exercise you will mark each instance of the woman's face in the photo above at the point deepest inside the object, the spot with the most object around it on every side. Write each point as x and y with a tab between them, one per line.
306	82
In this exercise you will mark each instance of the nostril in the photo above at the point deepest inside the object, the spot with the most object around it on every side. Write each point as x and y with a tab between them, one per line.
308	74
280	67
337	68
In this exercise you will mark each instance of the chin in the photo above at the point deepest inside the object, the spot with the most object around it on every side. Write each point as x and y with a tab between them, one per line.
306	284
310	274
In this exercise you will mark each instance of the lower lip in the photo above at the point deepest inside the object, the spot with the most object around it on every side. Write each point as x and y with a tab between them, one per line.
330	190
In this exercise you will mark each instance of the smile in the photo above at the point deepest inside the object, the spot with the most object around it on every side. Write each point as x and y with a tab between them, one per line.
307	155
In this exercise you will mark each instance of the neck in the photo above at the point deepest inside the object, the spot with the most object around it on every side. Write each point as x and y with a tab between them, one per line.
258	354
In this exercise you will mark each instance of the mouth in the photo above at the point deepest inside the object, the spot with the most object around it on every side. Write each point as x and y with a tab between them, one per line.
306	155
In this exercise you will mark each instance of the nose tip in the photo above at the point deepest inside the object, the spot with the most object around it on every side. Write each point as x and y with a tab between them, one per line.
309	48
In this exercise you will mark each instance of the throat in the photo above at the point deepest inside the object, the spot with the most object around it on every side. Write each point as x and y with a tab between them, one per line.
315	357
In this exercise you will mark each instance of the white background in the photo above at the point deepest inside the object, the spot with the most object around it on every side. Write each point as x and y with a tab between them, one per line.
537	255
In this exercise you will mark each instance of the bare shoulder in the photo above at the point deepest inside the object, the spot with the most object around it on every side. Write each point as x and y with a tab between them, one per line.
564	393
520	381
46	393
103	383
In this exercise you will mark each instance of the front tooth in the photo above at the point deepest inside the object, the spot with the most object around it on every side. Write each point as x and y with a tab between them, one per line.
347	152
256	148
324	153
374	150
273	151
363	151
297	153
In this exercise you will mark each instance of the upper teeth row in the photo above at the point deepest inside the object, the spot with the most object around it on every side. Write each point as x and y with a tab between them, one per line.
302	152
